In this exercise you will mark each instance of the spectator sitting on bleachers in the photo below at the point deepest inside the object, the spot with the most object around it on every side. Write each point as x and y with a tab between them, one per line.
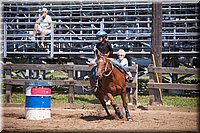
42	26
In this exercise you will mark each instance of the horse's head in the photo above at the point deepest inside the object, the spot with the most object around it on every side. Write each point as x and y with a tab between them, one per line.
102	64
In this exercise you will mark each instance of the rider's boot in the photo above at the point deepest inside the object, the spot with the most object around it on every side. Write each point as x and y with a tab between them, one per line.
129	78
95	87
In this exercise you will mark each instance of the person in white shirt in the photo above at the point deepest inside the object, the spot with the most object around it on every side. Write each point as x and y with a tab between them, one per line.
124	63
42	26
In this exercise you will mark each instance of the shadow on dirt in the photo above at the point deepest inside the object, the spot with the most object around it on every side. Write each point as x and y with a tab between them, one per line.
142	107
21	117
94	118
11	115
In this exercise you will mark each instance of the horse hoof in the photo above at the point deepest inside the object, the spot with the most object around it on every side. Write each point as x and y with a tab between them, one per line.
121	117
129	119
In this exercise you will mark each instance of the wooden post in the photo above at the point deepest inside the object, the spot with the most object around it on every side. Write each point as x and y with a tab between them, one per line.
8	87
36	74
157	45
71	86
152	92
43	74
135	90
174	77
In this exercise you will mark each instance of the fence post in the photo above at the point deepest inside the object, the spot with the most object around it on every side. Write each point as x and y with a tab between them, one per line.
5	40
135	90
154	95
156	40
151	91
8	87
71	86
52	41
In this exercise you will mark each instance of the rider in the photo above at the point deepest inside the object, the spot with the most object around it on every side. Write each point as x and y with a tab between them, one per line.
104	47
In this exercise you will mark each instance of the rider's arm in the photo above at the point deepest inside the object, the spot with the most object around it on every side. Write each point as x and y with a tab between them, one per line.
92	62
40	18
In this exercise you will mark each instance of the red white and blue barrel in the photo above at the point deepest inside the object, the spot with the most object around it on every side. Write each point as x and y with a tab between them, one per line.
38	100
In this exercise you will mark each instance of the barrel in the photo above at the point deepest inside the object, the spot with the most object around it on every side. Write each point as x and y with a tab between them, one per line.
38	100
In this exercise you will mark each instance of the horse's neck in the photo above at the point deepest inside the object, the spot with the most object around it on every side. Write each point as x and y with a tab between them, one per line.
117	71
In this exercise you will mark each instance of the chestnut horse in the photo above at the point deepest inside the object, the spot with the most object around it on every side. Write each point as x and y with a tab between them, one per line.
112	84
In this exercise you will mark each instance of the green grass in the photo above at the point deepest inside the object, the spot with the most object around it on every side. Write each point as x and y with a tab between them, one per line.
52	75
177	101
174	101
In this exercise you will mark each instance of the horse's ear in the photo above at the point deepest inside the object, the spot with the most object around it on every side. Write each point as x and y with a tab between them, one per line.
109	59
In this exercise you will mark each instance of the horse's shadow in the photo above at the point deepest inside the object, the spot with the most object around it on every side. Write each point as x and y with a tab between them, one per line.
142	107
94	118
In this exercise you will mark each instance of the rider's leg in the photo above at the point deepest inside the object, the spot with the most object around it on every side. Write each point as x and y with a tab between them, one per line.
35	29
42	34
34	32
128	77
93	77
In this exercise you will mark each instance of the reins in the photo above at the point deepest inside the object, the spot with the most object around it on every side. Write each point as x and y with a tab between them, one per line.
106	69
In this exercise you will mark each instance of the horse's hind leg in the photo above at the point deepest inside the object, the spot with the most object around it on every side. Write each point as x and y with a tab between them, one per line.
99	95
128	116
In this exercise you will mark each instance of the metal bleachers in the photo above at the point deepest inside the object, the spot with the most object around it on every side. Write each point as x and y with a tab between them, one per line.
75	23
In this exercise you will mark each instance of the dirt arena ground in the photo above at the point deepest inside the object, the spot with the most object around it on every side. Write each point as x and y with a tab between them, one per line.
92	118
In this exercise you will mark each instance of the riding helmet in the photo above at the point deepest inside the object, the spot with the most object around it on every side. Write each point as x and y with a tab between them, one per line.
101	33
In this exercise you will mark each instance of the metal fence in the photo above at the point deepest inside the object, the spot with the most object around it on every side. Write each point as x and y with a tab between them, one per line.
75	24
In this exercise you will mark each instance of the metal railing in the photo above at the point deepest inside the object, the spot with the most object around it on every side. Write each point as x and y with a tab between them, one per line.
127	23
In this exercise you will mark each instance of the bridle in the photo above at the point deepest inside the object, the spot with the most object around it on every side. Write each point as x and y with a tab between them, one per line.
101	55
107	68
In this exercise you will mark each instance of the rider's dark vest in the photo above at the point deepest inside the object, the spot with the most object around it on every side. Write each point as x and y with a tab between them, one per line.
104	47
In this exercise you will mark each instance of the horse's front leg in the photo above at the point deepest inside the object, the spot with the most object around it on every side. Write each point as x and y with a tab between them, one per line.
128	116
99	95
116	108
